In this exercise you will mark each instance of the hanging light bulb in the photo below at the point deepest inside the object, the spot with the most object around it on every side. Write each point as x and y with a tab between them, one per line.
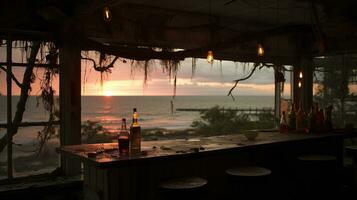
299	84
300	75
260	50
107	15
210	56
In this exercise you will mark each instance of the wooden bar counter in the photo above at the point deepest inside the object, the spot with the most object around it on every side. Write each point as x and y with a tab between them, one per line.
110	176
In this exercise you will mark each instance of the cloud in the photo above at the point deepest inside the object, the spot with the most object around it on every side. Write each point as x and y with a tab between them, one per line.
208	79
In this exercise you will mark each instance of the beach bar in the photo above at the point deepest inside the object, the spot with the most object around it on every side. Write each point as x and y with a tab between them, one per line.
309	152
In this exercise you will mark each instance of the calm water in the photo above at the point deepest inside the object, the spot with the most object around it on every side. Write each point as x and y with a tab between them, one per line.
154	111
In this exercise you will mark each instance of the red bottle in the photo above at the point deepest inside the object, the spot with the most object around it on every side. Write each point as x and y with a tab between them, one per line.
123	139
283	124
320	118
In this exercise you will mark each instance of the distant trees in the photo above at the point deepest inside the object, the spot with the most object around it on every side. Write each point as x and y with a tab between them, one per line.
333	89
217	121
94	132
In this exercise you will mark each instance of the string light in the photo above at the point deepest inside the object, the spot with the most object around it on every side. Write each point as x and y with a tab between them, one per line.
260	50
107	15
300	75
210	56
299	84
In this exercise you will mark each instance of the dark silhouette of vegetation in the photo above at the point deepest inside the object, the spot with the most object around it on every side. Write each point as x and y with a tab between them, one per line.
217	121
333	89
94	132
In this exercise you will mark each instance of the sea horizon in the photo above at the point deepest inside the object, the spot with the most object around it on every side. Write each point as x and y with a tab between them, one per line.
235	96
154	111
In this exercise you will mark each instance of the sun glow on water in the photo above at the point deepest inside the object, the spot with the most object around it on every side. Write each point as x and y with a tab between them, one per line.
108	93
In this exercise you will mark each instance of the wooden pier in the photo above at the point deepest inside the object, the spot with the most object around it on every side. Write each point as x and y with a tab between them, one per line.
250	111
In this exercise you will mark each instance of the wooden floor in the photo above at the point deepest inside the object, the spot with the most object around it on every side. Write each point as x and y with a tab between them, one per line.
45	186
68	188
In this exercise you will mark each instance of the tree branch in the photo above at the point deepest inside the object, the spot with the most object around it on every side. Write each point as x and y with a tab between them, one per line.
12	77
241	79
101	68
21	105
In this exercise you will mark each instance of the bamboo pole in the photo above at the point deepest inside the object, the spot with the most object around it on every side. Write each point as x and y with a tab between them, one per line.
9	108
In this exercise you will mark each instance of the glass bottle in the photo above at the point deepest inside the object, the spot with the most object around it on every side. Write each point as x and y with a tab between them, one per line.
135	134
328	118
320	118
283	124
123	138
312	119
135	122
292	118
300	118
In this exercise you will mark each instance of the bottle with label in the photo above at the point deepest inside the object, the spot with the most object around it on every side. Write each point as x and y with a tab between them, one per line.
292	118
312	119
283	124
320	118
300	118
135	134
328	118
123	139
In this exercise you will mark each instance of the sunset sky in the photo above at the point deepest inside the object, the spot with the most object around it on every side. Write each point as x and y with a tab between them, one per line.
209	79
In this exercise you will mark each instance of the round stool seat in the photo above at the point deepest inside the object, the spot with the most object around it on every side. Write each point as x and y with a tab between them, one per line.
317	175
351	150
248	171
183	183
317	157
244	181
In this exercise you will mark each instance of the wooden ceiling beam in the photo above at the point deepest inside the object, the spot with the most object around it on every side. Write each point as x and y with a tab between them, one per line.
148	54
26	35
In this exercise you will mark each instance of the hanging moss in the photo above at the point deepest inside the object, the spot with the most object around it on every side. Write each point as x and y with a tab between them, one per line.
194	64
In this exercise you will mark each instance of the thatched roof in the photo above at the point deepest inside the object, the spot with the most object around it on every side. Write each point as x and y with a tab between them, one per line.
142	29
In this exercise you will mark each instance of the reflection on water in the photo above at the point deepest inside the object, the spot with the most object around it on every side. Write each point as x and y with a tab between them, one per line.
154	111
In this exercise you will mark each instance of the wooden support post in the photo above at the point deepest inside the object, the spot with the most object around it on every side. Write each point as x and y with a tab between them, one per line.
296	91
277	101
70	102
302	86
9	107
308	70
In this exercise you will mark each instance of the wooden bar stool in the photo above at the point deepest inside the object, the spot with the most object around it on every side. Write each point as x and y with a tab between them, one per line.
352	150
183	188
317	175
248	182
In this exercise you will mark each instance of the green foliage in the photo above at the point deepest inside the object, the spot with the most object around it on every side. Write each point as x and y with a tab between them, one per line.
94	132
334	90
265	120
3	171
217	121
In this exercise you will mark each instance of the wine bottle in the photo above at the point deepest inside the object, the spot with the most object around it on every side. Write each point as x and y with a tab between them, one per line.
283	124
135	134
300	118
292	118
328	118
123	138
312	119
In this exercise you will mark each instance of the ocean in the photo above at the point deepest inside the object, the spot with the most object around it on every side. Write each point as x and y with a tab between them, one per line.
154	111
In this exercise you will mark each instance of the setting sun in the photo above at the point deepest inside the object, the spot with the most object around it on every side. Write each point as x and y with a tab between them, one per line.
108	93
